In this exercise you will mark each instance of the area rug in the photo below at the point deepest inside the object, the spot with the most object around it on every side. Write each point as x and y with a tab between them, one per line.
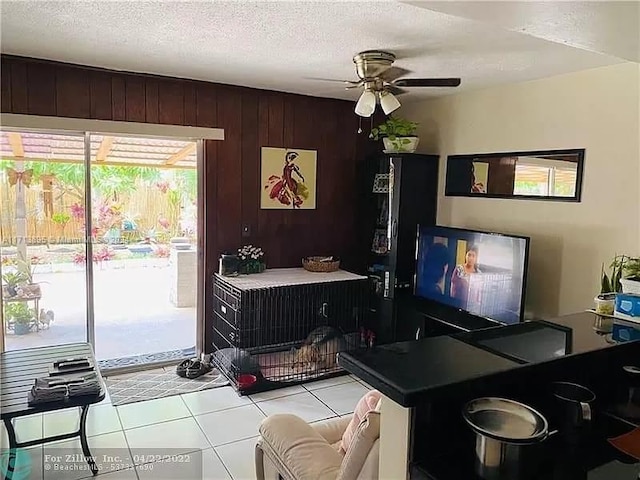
138	387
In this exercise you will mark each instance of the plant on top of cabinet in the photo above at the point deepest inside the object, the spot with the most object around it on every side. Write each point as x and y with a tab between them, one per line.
397	135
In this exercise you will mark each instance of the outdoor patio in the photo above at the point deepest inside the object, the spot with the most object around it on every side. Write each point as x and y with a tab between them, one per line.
133	312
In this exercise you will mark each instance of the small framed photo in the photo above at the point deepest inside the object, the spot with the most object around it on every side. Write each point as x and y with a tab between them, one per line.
381	183
380	243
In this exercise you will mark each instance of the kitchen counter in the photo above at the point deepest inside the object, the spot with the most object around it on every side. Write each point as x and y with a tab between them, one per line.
409	372
426	382
406	372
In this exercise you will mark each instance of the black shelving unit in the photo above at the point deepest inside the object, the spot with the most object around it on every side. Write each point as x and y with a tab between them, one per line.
388	222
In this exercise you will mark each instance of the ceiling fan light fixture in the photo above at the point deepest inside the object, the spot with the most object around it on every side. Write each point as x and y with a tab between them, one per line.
366	104
388	102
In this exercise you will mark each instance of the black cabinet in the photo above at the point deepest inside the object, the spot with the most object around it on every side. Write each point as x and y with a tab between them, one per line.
397	193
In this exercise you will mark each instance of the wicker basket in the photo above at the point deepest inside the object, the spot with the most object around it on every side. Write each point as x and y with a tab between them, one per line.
314	264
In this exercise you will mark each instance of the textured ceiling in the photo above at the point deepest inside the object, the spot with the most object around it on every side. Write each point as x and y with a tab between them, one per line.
278	45
609	27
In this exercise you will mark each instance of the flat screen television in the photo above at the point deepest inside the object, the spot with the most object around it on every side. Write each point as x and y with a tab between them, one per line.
480	273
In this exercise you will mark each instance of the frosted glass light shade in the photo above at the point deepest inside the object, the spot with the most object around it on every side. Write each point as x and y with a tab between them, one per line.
388	102
366	104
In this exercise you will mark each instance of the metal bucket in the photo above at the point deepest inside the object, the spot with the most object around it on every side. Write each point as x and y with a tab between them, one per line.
508	435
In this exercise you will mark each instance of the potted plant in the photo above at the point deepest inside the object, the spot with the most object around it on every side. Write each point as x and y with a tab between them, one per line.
624	278
28	287
630	278
20	316
397	135
251	259
10	283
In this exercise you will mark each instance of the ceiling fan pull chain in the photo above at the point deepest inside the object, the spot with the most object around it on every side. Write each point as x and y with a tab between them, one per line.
359	124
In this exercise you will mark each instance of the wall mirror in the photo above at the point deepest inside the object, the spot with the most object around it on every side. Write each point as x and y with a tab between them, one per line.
542	175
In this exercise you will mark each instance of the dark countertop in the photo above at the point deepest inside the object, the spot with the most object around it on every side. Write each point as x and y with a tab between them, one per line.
408	372
404	371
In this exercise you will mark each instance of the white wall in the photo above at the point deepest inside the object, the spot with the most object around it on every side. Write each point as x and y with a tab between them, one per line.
598	110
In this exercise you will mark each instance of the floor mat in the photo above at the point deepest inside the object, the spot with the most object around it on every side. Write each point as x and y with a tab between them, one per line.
146	359
137	387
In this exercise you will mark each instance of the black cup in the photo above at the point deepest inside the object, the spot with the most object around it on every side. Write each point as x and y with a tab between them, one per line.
574	405
576	401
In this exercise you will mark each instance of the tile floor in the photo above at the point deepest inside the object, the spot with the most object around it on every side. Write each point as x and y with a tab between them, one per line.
219	423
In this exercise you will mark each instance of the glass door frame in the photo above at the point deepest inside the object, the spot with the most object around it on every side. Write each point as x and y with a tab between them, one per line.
90	337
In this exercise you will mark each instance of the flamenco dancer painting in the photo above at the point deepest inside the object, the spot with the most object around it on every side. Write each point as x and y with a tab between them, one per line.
288	178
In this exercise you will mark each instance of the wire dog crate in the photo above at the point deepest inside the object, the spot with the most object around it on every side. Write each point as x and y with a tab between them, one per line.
285	326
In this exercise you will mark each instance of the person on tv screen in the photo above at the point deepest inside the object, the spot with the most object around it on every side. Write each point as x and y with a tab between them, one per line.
461	274
435	267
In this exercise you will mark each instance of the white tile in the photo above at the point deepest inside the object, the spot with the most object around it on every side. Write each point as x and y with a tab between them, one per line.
342	398
304	405
110	450
280	392
128	474
100	420
167	438
239	457
201	465
152	411
212	466
231	425
213	400
28	463
27	428
328	382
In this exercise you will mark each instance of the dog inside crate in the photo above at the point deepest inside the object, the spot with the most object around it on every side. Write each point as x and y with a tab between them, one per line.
293	361
315	357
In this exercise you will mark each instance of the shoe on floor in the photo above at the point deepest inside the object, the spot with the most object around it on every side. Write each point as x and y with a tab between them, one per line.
197	369
182	367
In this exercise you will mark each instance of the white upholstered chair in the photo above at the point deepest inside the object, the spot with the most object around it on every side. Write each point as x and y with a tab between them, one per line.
291	449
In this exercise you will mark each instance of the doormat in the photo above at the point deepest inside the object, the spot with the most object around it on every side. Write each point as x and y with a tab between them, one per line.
143	386
146	359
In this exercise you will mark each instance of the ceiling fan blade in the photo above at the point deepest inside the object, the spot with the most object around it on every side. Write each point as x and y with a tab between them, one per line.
392	73
427	82
348	82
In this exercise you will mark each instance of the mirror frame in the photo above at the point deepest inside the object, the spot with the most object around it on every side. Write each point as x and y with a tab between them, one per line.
579	152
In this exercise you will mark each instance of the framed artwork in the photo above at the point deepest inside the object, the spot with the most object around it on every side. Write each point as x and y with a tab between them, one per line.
381	183
288	179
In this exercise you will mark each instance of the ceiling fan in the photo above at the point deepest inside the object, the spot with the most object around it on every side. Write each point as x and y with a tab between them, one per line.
382	82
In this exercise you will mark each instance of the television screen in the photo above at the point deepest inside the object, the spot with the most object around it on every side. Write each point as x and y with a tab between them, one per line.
480	273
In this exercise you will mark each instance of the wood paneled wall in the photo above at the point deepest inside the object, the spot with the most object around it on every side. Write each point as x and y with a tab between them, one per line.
250	118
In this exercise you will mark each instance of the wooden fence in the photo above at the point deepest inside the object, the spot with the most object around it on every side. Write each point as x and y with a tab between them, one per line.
148	207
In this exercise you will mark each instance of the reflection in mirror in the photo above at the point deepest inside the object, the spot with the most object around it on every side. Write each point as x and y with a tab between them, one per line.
535	175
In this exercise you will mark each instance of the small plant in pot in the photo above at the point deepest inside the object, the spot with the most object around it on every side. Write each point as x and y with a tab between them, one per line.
29	288
20	316
609	286
397	135
630	277
10	283
624	278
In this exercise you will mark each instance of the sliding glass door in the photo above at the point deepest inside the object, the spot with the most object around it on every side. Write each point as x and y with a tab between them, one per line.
144	247
98	243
